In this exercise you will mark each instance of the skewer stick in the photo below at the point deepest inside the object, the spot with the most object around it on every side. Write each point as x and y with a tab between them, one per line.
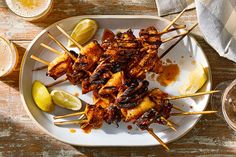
172	46
51	49
176	26
69	37
177	108
63	47
70	115
168	123
40	68
39	60
173	123
173	29
56	82
84	125
171	38
191	95
192	113
174	20
151	132
71	122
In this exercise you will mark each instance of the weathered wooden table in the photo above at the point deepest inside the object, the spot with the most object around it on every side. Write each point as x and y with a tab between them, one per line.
19	136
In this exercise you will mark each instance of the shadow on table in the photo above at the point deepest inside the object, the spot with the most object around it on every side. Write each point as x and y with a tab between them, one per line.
123	151
19	137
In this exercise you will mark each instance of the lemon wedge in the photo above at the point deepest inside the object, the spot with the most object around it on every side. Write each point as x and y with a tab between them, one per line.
196	80
83	31
41	97
66	100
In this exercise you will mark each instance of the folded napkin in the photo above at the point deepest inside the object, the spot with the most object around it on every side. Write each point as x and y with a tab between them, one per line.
216	18
166	7
217	21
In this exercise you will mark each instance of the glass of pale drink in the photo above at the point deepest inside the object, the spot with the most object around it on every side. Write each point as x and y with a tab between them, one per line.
225	102
31	10
8	57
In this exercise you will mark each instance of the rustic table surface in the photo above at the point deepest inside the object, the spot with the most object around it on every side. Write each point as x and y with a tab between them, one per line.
19	136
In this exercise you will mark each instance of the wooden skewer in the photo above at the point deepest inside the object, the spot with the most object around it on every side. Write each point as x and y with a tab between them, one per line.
172	46
84	125
168	123
173	29
56	82
191	95
178	26
173	123
151	132
70	38
51	49
69	115
192	113
40	68
71	122
173	21
60	81
177	108
171	38
63	47
39	60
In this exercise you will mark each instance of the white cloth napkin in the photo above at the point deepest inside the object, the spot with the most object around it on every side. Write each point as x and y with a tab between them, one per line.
217	22
166	7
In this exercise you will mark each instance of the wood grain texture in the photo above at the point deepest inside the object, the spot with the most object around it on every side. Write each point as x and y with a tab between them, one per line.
19	136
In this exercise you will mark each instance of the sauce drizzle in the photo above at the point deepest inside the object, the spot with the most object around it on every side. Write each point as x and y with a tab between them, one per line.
169	75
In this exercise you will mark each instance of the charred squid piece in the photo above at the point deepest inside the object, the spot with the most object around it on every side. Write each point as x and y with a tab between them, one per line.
122	47
89	56
158	66
154	116
98	78
76	77
108	35
148	118
160	109
145	65
94	117
113	115
126	39
111	88
59	66
150	61
153	100
150	39
101	74
133	95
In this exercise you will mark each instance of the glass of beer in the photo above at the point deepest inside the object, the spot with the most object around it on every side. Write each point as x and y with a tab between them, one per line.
8	57
31	10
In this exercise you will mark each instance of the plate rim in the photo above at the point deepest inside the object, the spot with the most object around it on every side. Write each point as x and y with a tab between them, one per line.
102	17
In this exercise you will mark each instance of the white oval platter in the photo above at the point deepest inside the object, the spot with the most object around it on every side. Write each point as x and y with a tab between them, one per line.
184	54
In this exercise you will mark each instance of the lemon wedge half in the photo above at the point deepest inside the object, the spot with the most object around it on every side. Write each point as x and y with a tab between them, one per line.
196	80
66	100
83	31
41	97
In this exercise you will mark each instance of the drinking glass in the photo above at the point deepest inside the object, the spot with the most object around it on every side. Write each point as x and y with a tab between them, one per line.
8	57
225	102
30	10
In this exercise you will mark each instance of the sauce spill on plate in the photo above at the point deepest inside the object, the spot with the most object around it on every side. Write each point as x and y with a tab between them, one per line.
129	127
169	75
72	131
